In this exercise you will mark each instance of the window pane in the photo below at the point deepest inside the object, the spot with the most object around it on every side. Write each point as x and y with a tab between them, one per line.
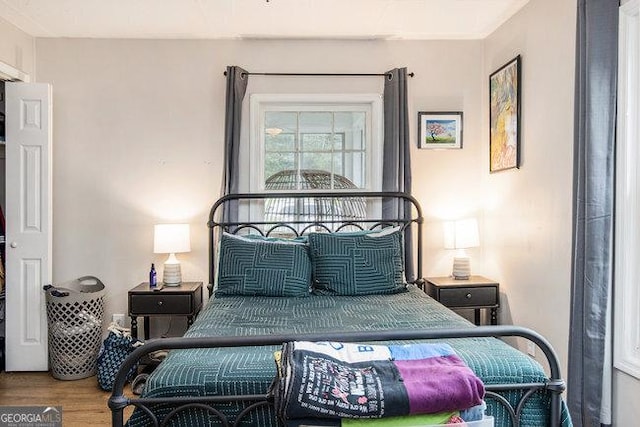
276	122
280	142
276	162
316	122
315	142
351	125
318	161
338	166
352	166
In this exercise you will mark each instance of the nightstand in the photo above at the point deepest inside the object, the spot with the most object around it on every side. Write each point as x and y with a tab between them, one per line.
183	300
477	293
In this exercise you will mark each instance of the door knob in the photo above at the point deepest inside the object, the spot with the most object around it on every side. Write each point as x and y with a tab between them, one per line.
14	244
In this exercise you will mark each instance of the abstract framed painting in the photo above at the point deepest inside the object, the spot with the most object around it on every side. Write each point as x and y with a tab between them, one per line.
440	129
504	116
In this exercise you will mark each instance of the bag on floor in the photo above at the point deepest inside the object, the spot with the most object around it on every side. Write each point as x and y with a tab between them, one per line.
115	349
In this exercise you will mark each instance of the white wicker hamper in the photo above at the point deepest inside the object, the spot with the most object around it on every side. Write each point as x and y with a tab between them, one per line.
74	312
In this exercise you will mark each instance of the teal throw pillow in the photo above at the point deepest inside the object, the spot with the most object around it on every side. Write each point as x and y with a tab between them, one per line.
361	263
261	266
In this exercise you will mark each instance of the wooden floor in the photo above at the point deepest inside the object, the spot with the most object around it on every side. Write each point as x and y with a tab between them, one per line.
83	402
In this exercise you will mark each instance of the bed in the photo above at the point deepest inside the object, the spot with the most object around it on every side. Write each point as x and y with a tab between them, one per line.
220	372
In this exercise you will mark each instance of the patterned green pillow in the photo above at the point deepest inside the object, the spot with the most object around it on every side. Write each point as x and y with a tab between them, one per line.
263	267
361	263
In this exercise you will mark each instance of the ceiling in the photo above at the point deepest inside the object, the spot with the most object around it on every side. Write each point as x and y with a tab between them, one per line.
260	19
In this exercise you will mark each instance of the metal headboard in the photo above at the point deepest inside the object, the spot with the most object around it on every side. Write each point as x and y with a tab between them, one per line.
310	219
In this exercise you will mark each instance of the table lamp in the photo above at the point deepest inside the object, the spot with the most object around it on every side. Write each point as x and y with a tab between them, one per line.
171	239
460	235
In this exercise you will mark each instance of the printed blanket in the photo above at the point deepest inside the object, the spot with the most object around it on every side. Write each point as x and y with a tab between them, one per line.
348	380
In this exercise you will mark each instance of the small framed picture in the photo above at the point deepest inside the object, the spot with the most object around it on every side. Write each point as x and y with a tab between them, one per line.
440	129
504	117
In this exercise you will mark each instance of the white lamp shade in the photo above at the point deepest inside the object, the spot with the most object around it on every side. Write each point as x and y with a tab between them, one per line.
461	234
171	238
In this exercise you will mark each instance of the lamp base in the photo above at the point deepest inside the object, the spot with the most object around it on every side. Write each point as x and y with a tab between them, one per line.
461	268
171	275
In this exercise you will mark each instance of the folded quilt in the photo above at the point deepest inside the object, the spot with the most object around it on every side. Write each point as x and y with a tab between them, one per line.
448	418
347	380
442	418
475	413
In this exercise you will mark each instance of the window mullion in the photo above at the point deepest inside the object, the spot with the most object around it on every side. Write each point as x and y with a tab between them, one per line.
298	153
332	146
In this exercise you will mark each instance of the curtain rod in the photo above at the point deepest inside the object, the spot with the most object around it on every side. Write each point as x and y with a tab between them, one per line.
321	74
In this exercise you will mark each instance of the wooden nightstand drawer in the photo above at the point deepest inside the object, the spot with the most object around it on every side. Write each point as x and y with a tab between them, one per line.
476	293
161	304
183	300
469	297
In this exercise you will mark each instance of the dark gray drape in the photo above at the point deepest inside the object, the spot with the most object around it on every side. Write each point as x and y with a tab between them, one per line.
396	170
237	80
593	192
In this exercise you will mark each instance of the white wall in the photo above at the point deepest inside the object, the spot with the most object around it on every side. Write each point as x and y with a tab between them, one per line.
138	129
17	48
528	212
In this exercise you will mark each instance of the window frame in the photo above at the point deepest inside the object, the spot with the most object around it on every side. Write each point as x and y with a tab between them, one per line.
370	103
627	201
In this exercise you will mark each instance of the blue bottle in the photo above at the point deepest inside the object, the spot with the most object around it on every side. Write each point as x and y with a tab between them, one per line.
153	280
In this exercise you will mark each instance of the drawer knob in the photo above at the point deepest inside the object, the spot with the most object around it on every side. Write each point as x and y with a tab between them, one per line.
468	296
159	302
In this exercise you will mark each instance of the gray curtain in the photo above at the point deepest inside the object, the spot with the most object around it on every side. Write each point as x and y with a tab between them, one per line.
396	172
237	80
593	192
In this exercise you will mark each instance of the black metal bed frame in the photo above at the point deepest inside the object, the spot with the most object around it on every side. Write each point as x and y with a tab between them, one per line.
118	401
310	221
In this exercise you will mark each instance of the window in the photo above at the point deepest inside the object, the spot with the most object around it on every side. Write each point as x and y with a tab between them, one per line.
627	229
317	142
338	136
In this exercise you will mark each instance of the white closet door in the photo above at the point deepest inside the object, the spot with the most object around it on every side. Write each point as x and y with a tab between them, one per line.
28	224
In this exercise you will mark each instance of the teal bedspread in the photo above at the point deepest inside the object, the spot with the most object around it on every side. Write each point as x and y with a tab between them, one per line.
250	370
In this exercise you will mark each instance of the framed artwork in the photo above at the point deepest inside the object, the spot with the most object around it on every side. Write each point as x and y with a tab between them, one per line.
440	129
504	117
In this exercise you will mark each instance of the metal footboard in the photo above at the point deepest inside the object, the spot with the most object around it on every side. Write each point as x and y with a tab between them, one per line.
555	385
